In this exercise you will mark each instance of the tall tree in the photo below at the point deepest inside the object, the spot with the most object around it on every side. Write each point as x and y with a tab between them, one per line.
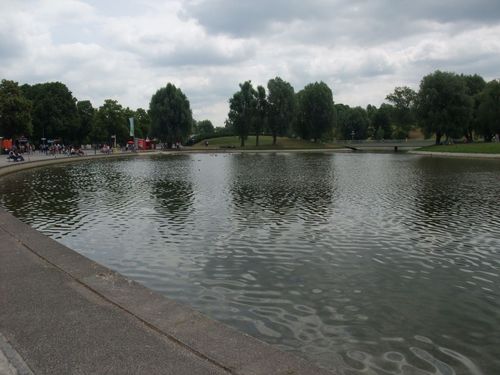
282	107
54	113
316	111
111	120
171	116
403	101
205	128
443	105
261	113
242	110
371	111
15	111
382	121
86	115
475	85
352	123
342	113
142	122
489	110
128	113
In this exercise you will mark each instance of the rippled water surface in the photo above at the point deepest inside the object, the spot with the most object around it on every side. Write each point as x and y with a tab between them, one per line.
364	263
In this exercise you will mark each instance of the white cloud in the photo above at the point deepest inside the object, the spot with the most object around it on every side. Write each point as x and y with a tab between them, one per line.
126	50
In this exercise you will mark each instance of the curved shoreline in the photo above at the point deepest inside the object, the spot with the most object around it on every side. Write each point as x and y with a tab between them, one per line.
35	161
43	160
461	155
66	312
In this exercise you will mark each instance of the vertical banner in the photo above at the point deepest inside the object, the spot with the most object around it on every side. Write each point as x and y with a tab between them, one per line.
131	121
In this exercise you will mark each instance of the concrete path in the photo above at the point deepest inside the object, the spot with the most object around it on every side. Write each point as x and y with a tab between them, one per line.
60	326
38	157
61	313
11	362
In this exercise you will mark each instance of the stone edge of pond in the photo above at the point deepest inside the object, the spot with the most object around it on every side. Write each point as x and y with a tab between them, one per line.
12	167
232	350
455	155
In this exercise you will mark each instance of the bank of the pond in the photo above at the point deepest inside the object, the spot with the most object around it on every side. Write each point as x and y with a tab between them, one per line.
469	155
40	160
62	313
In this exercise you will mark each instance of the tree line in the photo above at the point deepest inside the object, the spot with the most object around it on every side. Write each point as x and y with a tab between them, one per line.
446	105
49	111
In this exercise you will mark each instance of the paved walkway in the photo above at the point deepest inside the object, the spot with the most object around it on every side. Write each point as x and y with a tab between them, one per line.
11	362
61	313
61	326
37	156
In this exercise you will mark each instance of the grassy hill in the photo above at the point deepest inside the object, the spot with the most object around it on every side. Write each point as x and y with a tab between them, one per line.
265	143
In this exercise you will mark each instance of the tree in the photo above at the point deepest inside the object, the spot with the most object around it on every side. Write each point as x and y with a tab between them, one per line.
242	110
371	111
403	114
171	116
128	113
205	128
489	110
316	111
261	113
342	112
15	111
282	107
475	85
352	123
111	120
54	113
443	105
86	115
142	123
382	121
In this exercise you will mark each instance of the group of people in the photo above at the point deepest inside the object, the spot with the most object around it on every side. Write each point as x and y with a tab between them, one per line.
105	149
55	149
63	150
14	155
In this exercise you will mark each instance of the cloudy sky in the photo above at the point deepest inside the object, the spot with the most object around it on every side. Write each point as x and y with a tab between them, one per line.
127	49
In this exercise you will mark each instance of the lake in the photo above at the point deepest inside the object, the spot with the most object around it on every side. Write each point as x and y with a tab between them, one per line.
363	263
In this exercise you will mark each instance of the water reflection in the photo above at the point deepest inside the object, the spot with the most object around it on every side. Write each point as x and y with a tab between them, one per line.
174	197
287	185
55	193
368	264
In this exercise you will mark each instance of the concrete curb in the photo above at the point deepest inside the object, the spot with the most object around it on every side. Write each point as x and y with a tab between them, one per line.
455	155
11	167
11	362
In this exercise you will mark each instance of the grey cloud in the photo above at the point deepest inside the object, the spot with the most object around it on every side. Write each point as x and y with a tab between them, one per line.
450	10
482	63
380	19
253	17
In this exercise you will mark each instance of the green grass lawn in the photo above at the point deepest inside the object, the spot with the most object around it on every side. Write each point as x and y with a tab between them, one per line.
265	143
476	148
